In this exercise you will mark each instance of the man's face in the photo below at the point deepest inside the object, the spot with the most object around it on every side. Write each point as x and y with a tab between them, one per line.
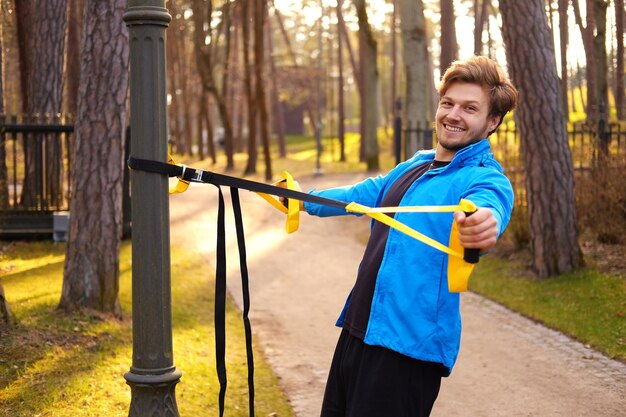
462	118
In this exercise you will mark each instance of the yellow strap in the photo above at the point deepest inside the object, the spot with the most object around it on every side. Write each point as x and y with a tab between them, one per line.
181	185
464	205
391	222
293	206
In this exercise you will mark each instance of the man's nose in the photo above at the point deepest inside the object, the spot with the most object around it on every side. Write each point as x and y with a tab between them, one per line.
454	112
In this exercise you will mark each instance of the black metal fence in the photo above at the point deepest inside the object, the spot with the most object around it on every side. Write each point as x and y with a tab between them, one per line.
587	143
599	162
35	177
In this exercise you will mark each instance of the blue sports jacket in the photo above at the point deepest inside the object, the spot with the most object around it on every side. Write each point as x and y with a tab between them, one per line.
412	311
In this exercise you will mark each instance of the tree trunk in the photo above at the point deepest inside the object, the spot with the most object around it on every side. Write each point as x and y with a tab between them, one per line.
587	36
261	98
369	69
449	45
599	47
619	66
174	125
246	6
205	63
341	126
91	275
564	40
41	44
4	175
7	318
480	17
279	119
343	32
75	20
204	115
548	163
416	110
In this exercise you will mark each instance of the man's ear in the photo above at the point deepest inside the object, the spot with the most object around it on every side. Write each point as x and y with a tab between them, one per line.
493	122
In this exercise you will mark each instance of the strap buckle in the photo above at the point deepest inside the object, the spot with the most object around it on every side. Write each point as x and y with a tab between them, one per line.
197	175
191	174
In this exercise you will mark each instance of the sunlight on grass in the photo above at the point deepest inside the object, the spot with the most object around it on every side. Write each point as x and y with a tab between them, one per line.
54	364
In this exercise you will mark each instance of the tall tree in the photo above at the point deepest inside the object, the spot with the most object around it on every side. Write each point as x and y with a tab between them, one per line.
341	126
4	177
415	53
449	45
548	163
587	34
564	40
75	19
480	18
207	60
260	13
6	316
369	100
91	274
41	46
276	107
246	11
599	46
619	65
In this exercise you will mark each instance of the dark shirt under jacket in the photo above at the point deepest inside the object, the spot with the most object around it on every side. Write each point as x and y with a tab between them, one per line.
358	313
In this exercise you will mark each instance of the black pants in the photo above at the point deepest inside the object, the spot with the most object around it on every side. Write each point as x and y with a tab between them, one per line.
372	381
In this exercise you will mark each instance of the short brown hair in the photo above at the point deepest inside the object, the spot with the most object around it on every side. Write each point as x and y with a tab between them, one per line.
488	74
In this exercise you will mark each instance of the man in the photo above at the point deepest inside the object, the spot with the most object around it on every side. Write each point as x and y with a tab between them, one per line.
401	327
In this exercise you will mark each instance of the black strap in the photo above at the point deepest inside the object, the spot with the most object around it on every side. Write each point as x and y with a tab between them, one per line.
220	302
243	266
208	177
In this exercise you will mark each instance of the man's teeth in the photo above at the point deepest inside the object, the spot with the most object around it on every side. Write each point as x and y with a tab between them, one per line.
454	128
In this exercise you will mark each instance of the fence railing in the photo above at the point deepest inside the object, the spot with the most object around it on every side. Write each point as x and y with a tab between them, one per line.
598	160
36	176
37	167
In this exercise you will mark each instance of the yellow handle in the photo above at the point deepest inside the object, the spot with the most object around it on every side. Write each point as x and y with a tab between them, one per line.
181	184
293	206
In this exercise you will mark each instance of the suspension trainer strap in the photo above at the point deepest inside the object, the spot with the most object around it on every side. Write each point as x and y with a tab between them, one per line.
198	175
243	266
220	302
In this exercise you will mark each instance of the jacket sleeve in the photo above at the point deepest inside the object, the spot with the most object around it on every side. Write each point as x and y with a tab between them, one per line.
493	190
365	192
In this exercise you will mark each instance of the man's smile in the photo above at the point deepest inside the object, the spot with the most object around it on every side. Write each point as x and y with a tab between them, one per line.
453	128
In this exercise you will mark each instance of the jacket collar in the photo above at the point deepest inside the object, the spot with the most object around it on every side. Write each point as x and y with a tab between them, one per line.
481	148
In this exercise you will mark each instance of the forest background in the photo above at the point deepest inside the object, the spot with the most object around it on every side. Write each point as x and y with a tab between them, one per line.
252	83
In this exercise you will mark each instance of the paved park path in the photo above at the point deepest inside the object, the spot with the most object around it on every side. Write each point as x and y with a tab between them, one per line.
508	365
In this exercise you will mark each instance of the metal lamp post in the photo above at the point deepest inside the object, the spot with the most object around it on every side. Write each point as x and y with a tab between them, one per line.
152	376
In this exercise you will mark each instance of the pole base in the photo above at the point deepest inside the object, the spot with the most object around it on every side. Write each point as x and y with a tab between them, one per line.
153	395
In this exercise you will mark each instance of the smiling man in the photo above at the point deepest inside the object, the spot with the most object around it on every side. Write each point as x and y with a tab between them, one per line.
401	327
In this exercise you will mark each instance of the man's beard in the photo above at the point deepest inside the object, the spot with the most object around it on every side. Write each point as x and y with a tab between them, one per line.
457	146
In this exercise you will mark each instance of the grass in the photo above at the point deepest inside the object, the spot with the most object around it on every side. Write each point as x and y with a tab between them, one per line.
58	365
586	304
